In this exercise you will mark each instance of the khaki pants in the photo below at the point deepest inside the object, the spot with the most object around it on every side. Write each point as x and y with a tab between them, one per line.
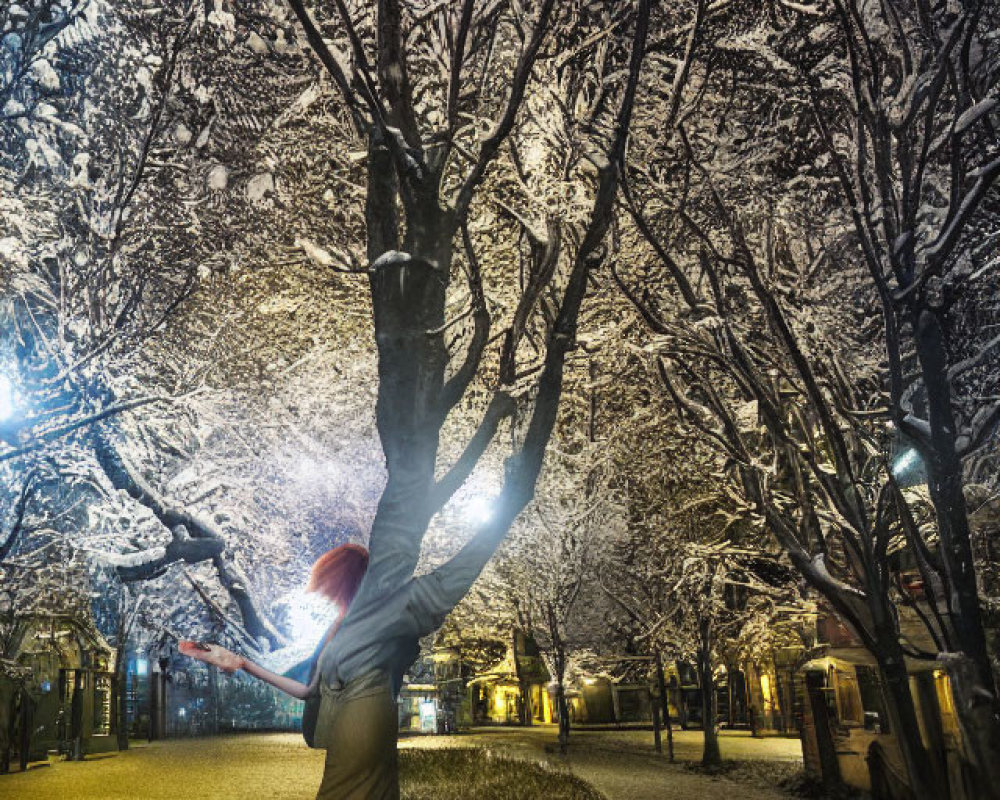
358	726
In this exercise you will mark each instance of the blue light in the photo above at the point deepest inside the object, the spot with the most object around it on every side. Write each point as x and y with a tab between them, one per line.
141	666
906	460
7	399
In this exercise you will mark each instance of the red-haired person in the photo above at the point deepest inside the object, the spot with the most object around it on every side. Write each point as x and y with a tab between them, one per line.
336	575
359	670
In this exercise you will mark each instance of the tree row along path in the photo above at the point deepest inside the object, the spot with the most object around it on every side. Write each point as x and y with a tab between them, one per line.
621	764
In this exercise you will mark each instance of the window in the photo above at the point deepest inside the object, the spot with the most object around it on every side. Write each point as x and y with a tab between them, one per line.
871	694
849	709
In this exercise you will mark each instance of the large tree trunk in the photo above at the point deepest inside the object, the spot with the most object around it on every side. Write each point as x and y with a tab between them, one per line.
945	483
977	719
903	722
77	751
711	756
27	724
563	710
661	684
7	717
408	298
823	726
977	704
121	698
523	686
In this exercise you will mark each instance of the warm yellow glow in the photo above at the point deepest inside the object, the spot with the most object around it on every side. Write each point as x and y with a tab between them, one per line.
942	686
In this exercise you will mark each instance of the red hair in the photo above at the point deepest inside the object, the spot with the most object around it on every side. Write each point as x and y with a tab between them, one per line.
337	574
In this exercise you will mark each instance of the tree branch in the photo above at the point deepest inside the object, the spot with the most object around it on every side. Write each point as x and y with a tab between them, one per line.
124	476
491	144
329	61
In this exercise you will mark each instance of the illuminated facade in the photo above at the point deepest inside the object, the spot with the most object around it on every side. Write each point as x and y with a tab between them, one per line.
61	688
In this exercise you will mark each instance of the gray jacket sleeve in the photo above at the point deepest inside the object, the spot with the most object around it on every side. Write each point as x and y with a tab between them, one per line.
435	594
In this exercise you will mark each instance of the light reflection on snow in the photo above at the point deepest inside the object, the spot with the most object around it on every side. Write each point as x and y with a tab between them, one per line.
309	616
7	402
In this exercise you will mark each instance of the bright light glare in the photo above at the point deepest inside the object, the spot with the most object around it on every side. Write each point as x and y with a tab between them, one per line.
309	615
907	460
6	398
479	510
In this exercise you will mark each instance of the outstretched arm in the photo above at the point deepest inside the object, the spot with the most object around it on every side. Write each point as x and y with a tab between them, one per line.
289	686
229	662
436	593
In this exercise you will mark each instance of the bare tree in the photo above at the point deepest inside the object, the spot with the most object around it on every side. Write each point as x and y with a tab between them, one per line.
424	169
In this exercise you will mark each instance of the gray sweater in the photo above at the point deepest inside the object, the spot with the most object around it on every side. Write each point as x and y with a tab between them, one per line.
393	609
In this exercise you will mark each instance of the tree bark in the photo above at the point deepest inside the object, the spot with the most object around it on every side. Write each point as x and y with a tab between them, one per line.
977	719
121	697
903	721
27	723
657	740
823	726
522	685
661	684
563	708
711	756
945	484
77	751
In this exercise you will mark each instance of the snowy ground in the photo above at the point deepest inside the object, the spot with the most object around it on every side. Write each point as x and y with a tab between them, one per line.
621	764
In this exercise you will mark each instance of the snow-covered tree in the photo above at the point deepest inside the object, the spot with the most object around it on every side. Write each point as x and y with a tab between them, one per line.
757	355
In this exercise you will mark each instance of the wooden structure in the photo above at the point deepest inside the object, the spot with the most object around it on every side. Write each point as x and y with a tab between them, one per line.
516	690
847	738
58	692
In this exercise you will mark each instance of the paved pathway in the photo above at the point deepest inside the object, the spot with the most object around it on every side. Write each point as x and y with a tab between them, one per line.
621	764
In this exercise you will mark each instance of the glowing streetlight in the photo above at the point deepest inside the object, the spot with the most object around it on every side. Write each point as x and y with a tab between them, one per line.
908	468
906	461
479	510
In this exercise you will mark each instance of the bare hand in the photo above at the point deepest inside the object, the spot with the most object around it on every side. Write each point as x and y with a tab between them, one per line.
224	659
